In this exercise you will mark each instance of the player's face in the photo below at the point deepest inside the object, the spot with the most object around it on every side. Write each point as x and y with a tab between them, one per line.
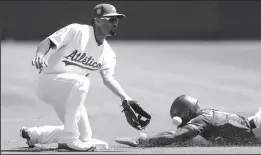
184	113
187	117
109	25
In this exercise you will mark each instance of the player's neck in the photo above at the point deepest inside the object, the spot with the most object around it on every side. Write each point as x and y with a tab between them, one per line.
99	36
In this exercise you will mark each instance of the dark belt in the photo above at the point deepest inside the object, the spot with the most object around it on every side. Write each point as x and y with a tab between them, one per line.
252	124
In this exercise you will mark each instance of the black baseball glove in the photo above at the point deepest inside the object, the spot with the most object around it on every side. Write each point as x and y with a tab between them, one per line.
135	114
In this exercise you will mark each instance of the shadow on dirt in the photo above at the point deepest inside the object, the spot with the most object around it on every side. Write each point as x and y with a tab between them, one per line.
26	149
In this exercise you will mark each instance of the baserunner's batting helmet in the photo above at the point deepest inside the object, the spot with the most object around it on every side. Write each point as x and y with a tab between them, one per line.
185	107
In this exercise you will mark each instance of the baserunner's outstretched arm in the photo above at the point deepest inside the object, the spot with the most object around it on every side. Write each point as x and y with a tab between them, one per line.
166	138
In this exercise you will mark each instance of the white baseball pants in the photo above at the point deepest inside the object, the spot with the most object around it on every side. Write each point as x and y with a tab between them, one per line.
66	93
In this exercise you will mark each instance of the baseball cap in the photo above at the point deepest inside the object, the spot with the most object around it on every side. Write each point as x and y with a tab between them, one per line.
106	10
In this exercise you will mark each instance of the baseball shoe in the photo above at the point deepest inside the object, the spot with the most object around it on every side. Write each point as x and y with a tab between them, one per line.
77	145
24	134
256	118
128	141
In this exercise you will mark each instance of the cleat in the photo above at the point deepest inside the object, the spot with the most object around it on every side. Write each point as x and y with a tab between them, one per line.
128	141
255	120
24	134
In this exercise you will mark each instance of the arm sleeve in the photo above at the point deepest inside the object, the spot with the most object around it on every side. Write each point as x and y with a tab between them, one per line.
200	123
109	60
166	138
109	63
63	36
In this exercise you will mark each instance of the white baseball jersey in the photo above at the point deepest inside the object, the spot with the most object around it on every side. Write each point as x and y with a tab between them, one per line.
76	51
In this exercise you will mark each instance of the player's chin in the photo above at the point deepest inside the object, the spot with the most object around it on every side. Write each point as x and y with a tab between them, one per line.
112	33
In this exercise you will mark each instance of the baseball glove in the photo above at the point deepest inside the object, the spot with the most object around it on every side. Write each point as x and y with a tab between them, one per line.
134	114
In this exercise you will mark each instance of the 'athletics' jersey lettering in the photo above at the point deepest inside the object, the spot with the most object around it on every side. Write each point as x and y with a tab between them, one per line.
83	59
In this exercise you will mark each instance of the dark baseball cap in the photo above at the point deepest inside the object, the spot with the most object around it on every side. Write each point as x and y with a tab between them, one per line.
106	10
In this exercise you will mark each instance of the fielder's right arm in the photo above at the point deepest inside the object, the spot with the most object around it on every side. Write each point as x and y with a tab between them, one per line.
112	84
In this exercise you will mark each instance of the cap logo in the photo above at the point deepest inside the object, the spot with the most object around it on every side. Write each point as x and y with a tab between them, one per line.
113	9
98	11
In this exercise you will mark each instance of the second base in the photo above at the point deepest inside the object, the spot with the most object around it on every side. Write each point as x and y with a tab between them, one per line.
100	144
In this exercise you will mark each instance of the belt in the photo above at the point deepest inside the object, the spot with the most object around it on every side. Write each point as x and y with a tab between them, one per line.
252	124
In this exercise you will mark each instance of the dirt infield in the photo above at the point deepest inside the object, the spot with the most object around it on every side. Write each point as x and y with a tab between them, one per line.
224	75
184	150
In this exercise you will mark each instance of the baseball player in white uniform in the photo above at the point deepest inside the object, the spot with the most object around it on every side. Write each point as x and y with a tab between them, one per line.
65	60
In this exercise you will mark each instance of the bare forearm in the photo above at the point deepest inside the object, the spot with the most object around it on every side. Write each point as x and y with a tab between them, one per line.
115	87
43	47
